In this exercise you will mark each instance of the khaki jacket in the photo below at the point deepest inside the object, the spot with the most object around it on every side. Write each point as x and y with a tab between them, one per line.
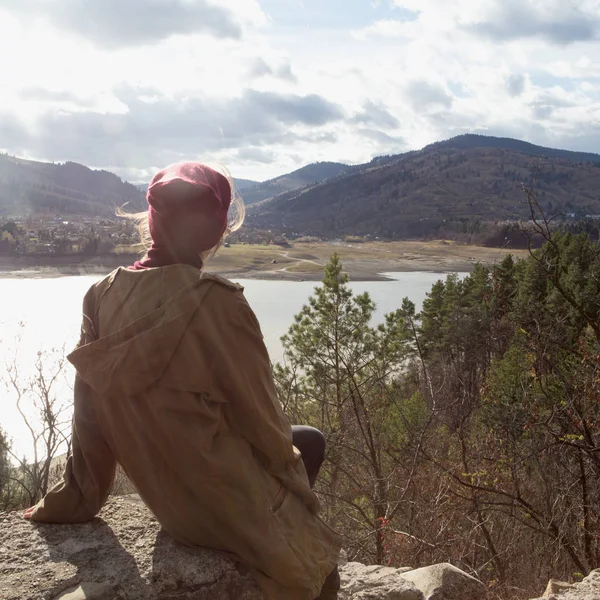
174	383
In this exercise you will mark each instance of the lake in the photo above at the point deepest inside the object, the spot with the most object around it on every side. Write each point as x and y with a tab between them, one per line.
45	314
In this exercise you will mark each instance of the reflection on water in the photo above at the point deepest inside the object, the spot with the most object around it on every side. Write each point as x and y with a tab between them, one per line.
50	312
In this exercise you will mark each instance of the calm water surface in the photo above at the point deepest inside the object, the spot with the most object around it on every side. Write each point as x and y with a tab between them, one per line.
44	314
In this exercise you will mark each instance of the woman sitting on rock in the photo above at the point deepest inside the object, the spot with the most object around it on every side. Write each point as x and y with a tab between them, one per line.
174	383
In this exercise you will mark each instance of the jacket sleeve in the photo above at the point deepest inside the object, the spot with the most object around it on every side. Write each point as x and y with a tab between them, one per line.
244	376
90	468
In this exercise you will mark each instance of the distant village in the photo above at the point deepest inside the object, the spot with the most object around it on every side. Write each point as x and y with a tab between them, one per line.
57	235
92	236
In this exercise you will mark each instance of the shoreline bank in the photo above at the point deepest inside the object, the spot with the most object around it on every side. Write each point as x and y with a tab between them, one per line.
355	274
301	262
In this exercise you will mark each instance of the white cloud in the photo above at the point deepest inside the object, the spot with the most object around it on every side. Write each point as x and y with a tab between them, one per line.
115	24
557	21
391	28
577	68
260	97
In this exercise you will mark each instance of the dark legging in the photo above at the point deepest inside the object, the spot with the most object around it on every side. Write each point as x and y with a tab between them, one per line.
311	443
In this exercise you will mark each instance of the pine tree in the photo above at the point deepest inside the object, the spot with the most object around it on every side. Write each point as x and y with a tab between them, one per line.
339	376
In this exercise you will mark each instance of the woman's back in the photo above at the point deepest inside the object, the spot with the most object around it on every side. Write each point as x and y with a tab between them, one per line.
184	398
127	295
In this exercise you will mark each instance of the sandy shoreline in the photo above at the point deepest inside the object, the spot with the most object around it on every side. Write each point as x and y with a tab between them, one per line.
301	262
50	273
355	272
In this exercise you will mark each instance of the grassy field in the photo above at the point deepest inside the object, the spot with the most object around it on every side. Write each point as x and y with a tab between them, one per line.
362	261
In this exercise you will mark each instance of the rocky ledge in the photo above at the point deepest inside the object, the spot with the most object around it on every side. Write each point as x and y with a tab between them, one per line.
124	555
588	589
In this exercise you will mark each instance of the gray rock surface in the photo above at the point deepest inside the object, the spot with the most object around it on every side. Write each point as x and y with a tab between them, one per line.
438	582
588	589
360	582
446	582
555	586
122	555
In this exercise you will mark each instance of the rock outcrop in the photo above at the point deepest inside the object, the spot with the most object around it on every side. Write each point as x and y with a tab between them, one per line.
124	555
438	582
375	583
588	589
446	582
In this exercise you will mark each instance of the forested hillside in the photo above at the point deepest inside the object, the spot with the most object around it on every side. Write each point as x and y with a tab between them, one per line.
466	433
443	186
469	141
308	175
36	188
244	184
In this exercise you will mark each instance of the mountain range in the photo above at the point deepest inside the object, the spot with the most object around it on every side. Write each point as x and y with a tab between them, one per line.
466	178
254	192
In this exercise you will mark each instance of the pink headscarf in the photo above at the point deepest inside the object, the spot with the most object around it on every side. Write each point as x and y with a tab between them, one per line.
187	214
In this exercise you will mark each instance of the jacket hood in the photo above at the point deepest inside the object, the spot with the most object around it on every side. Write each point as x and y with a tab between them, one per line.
136	356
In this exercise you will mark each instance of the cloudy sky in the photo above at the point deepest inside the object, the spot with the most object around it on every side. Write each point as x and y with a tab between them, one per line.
266	86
